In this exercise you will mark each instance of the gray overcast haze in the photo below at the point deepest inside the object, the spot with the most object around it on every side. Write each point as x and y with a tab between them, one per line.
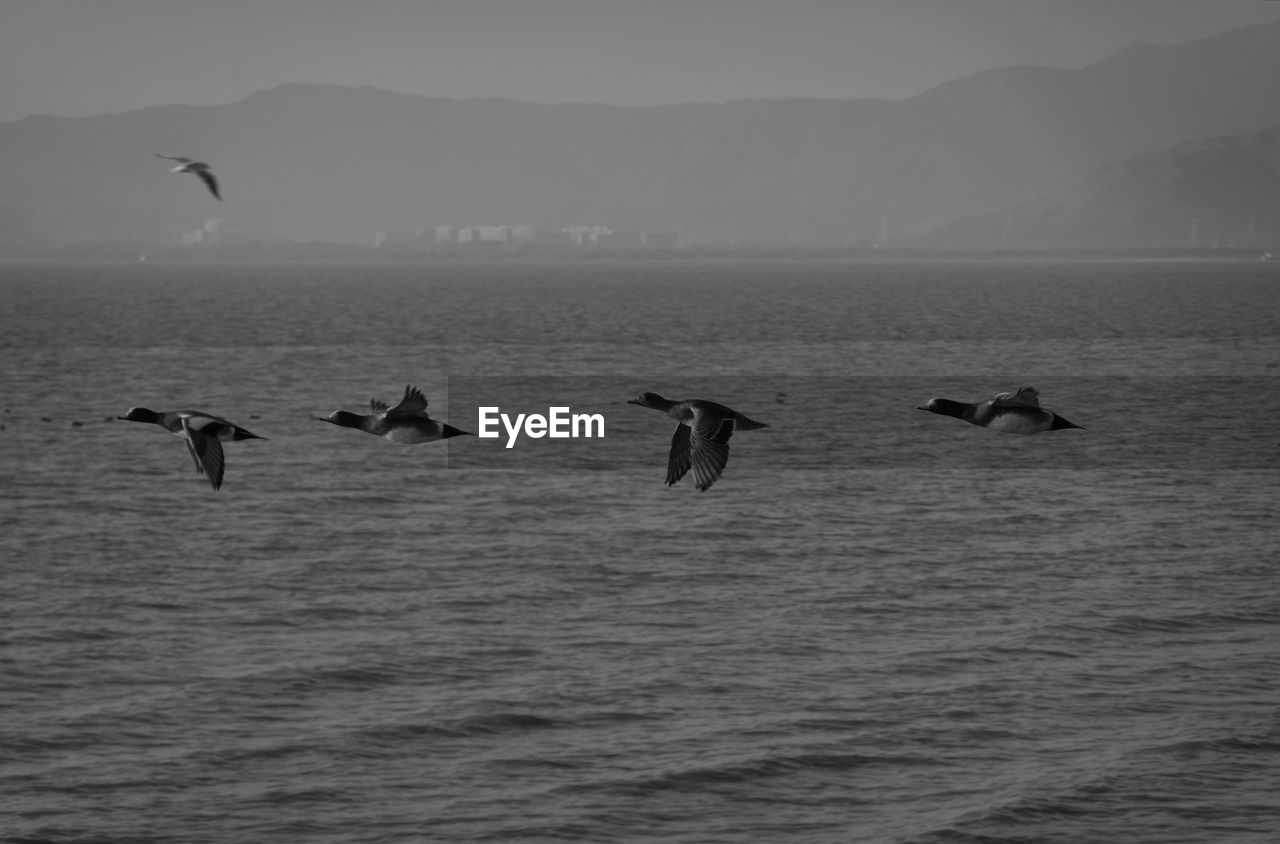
85	57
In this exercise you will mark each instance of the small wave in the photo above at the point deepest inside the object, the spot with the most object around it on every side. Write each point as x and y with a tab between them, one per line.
326	796
952	835
239	755
60	835
1146	624
1192	748
617	717
1031	651
359	678
492	724
1020	814
74	635
16	747
1184	785
755	769
330	612
161	605
400	734
495	723
1197	621
503	722
1037	809
302	682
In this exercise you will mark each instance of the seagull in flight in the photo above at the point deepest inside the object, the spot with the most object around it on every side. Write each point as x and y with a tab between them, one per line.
188	165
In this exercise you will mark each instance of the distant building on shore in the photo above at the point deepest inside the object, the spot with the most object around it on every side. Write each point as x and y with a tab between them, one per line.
490	237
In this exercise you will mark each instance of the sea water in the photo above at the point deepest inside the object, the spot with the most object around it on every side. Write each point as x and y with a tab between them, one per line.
879	625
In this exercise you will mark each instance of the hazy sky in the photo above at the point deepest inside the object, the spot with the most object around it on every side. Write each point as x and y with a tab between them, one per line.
78	57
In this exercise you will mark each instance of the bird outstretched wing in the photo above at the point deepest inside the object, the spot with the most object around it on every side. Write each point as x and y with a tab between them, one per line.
678	461
1024	397
207	177
709	448
206	450
414	403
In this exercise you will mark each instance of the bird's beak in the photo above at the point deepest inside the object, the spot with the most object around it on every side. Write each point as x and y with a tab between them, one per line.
632	401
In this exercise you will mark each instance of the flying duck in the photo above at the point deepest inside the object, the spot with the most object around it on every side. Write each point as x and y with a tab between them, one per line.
1013	413
204	434
701	438
406	423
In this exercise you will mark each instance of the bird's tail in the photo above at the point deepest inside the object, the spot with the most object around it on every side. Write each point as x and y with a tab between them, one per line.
742	423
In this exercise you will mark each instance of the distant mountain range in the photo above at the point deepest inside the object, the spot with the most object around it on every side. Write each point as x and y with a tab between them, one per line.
1152	145
1215	192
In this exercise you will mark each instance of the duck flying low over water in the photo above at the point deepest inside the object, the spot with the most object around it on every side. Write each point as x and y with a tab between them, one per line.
406	423
204	434
1013	413
701	438
189	165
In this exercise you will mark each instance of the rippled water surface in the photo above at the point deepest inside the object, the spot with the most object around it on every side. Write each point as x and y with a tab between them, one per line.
880	625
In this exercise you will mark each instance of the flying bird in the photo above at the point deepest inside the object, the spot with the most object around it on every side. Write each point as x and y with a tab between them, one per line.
1013	413
188	165
204	434
701	438
406	423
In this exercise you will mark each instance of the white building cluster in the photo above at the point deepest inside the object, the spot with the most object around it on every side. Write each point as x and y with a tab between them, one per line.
207	233
212	232
492	238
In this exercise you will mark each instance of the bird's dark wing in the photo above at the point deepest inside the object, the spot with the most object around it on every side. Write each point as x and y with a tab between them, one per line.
207	177
709	448
413	403
1024	397
213	461
206	450
678	461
